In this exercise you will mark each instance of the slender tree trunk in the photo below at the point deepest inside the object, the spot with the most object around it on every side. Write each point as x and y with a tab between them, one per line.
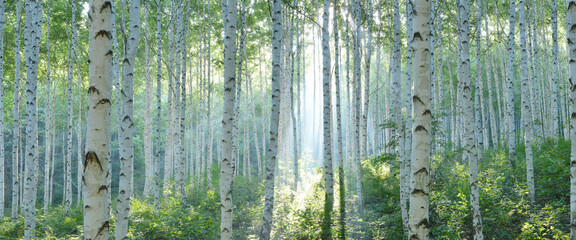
342	186
47	117
396	115
127	131
229	10
368	55
79	127
158	105
294	101
479	93
148	146
328	173
274	118
554	88
184	56
33	26
420	180
571	39
510	83
357	112
68	194
469	127
526	100
16	127
208	99
2	159
96	214
406	122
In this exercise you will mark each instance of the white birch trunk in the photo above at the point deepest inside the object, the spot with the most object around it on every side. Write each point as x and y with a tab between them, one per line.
326	112
357	112
68	193
342	186
479	94
367	58
16	127
31	45
79	127
229	10
420	167
148	146
96	171
511	134
47	120
406	123
395	113
526	100
468	123
158	105
555	106
274	118
2	159
127	130
571	39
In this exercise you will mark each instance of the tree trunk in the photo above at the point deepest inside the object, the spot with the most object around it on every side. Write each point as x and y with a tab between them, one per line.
342	189
158	105
469	126
79	126
96	216
274	118
396	114
2	164
571	37
31	42
357	112
328	173
127	130
364	123
526	100
47	116
229	10
554	88
420	169
68	194
510	83
16	126
148	147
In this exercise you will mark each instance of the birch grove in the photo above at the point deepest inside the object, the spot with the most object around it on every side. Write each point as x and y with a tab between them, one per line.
356	119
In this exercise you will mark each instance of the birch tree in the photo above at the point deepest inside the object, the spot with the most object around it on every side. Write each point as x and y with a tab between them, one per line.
326	111
571	39
229	12
526	100
16	127
2	159
158	105
511	134
33	26
127	127
420	179
469	126
96	216
395	114
554	88
272	150
357	111
70	116
341	177
367	56
148	146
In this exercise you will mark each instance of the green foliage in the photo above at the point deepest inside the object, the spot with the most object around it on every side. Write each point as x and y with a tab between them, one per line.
174	221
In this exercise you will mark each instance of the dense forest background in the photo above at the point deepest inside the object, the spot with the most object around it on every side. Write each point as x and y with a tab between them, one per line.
290	119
